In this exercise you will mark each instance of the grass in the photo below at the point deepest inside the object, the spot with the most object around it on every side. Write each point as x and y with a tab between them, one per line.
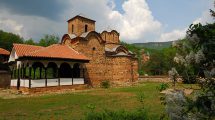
73	105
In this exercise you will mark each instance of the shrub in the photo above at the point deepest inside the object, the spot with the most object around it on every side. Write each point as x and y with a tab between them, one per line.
139	114
105	84
162	86
173	74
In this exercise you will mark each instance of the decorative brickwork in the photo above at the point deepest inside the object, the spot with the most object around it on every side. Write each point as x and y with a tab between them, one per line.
110	37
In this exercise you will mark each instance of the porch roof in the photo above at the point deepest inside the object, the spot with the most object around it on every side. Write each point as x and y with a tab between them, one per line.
4	52
55	51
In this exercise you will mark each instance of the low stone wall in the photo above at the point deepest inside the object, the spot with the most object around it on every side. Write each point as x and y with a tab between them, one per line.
4	79
164	79
154	79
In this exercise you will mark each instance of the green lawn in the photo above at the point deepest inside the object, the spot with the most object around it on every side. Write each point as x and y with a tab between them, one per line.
73	105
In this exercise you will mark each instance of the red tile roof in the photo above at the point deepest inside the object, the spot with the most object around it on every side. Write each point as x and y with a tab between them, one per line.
22	49
4	52
53	51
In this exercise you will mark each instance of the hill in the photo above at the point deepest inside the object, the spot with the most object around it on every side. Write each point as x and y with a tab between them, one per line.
154	45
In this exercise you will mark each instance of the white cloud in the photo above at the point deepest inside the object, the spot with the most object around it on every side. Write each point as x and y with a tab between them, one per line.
135	24
205	18
173	35
30	26
181	33
11	26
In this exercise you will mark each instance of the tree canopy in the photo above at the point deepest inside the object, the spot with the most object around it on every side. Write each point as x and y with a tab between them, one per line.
7	39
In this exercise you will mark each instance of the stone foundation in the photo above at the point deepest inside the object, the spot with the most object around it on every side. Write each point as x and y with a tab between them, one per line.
51	89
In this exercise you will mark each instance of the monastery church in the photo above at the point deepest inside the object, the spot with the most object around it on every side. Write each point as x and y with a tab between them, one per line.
84	57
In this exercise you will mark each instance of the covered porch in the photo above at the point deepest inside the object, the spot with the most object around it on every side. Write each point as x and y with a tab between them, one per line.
31	74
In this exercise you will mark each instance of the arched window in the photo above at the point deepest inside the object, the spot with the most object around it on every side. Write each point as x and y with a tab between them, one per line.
86	28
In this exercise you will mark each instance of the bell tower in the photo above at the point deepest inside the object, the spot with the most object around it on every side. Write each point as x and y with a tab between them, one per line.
79	25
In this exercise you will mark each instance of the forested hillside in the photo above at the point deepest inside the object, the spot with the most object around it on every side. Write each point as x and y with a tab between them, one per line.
154	45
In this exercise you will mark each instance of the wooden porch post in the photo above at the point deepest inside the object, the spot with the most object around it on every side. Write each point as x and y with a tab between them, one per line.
84	75
58	75
30	77
21	72
72	75
34	72
24	72
40	72
12	73
45	76
18	80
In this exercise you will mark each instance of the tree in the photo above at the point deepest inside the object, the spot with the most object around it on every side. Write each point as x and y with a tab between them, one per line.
48	40
197	53
7	39
30	42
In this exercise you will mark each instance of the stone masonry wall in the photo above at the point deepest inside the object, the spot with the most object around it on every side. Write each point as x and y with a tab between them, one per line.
135	69
79	26
115	69
94	50
119	69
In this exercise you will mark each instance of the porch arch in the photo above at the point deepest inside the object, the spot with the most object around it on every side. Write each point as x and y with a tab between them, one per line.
38	68
65	71
76	70
52	70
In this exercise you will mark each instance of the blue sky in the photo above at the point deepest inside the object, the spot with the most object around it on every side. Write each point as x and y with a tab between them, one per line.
135	20
171	12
